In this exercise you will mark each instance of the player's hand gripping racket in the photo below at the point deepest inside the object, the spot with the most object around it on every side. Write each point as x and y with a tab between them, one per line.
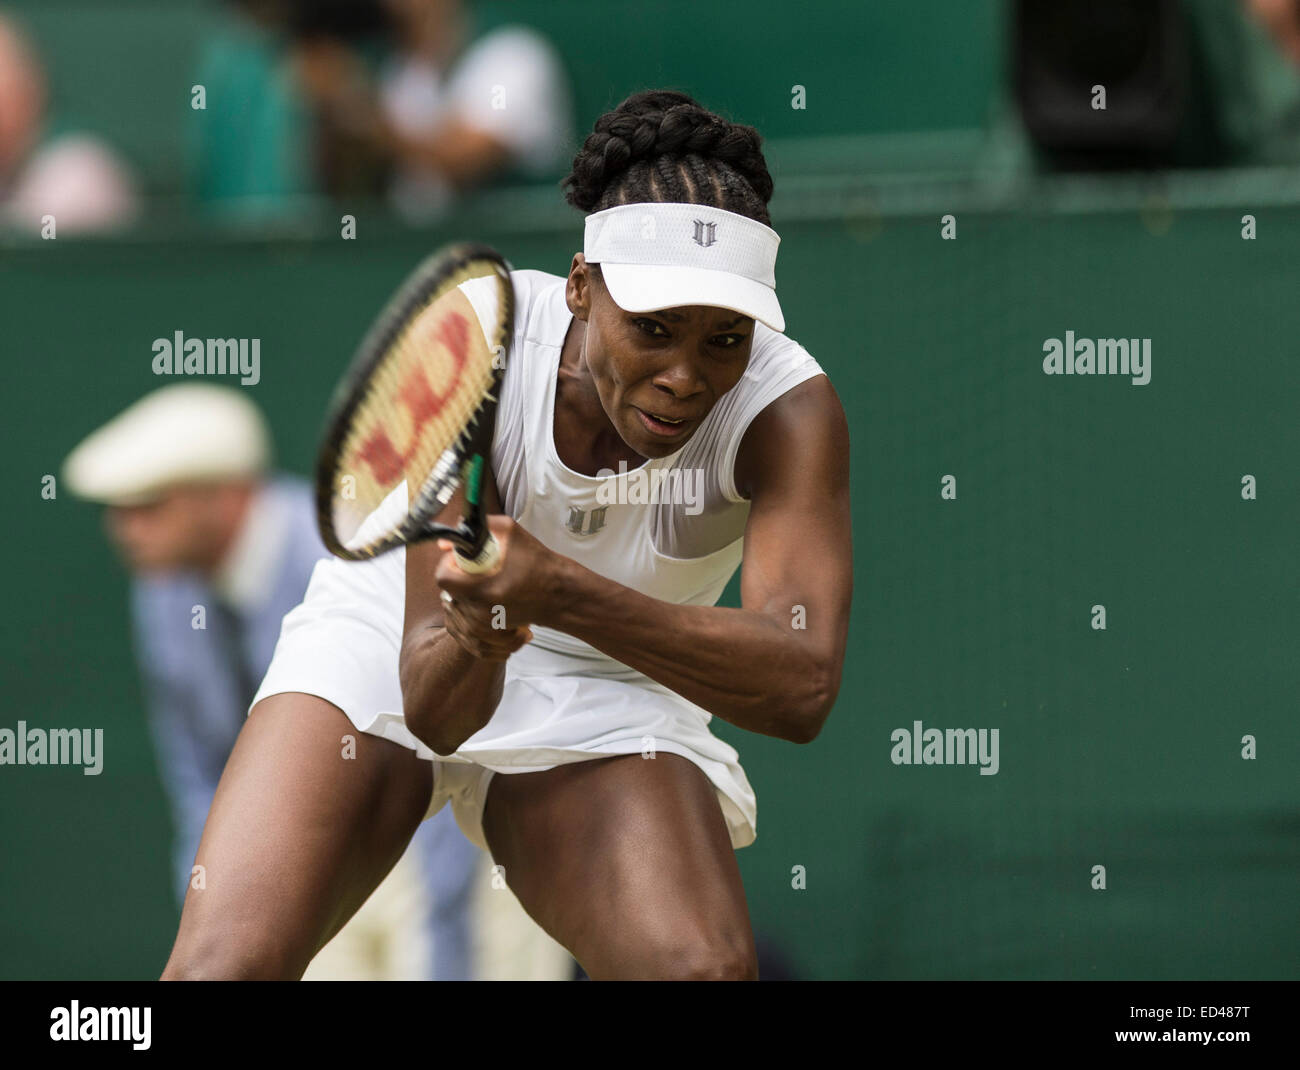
418	405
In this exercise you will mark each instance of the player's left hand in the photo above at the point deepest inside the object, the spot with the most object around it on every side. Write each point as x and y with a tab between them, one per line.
490	605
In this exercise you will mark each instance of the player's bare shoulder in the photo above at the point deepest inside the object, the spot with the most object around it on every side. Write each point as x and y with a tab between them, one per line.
798	422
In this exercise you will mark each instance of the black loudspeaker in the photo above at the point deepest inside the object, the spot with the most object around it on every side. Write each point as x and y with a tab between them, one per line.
1139	50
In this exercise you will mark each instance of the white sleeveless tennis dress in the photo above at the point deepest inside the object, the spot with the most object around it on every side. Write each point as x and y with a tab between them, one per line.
563	700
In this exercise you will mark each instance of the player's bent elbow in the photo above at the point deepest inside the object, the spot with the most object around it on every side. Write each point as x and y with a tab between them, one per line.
807	720
442	717
438	733
436	728
441	743
805	729
421	715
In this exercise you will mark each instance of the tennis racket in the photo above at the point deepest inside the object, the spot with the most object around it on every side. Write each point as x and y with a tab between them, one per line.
418	406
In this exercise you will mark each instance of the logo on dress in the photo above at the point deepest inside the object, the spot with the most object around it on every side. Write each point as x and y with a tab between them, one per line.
704	233
586	522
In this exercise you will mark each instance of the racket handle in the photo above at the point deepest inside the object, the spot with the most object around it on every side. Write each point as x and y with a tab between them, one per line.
486	560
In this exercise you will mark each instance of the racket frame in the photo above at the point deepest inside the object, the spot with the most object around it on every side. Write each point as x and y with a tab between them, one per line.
464	461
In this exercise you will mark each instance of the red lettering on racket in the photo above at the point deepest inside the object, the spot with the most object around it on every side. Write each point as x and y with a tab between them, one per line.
418	397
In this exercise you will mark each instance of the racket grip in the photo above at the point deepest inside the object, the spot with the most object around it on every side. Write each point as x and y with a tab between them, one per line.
486	560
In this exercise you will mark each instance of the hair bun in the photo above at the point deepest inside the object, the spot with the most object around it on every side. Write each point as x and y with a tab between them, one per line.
660	123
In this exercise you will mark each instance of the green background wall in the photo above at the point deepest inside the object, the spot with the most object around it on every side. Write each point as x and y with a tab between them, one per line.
1119	748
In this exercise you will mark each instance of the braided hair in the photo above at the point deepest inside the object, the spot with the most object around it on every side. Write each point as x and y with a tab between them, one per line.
661	145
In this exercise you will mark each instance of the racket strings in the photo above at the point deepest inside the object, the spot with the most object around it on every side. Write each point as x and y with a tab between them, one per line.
421	398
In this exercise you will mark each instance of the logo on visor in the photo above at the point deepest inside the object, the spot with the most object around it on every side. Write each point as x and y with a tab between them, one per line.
704	233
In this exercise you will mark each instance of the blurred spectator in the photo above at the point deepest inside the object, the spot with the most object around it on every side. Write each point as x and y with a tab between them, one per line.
456	112
220	551
263	143
46	170
251	147
358	98
1281	18
337	45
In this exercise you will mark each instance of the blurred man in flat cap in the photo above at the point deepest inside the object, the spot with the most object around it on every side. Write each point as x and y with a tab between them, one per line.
220	551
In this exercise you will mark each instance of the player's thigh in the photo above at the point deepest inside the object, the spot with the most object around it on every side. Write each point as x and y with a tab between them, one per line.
304	825
627	862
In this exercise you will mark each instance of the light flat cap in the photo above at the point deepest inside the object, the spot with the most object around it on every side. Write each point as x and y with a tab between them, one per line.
186	433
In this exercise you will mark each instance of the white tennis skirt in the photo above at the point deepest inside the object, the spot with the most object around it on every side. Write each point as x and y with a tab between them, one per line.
342	644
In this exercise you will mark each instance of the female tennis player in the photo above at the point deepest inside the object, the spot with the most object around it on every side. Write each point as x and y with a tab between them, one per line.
656	429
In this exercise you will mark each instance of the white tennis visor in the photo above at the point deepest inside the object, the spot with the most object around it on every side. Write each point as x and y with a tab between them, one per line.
655	255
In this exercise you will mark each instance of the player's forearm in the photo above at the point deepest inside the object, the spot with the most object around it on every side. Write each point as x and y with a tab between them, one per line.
448	694
750	669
